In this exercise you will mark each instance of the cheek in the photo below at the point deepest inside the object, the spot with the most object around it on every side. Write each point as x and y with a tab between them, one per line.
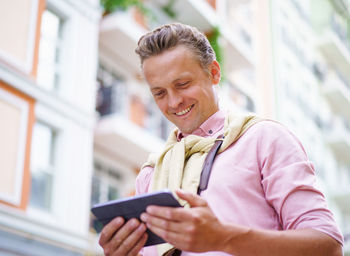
162	105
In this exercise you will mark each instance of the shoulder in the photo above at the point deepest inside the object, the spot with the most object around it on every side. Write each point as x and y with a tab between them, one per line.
272	137
271	131
269	128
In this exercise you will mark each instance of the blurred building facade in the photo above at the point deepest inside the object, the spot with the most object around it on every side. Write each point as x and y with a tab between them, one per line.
310	63
48	52
80	120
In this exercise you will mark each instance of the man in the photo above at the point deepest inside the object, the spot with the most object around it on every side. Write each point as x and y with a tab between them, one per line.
261	197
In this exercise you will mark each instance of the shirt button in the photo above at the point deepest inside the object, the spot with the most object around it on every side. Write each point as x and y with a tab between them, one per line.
210	131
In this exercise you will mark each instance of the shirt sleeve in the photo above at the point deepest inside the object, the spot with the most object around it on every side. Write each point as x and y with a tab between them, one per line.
142	186
289	183
143	180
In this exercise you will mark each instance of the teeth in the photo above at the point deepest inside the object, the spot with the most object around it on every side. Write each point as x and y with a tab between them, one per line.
183	111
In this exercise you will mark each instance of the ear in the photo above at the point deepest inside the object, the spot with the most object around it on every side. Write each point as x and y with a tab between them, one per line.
215	72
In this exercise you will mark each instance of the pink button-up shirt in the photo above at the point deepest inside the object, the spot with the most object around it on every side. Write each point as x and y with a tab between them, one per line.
264	180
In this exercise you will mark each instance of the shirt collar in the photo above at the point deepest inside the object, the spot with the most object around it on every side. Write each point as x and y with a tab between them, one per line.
209	127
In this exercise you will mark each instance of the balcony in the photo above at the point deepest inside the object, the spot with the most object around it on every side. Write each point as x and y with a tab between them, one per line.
119	34
237	53
197	13
337	92
125	140
200	14
237	2
339	141
341	197
243	81
335	48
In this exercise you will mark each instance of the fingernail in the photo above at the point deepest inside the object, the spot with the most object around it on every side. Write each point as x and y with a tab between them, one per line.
143	217
134	222
142	227
180	191
119	220
150	209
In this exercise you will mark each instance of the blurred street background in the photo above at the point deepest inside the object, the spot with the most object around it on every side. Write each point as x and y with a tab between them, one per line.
78	120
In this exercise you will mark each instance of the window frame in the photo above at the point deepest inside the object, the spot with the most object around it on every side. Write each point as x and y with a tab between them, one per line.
59	71
107	177
51	169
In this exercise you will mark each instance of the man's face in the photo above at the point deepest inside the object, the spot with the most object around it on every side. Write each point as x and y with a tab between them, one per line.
183	91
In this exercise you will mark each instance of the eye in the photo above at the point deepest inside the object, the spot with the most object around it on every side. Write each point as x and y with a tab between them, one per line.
158	94
183	84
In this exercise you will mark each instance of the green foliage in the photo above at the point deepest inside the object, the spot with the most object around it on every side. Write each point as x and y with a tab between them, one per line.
214	39
114	5
342	8
169	9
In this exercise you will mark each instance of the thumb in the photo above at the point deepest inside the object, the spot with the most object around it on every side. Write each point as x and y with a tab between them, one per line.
193	199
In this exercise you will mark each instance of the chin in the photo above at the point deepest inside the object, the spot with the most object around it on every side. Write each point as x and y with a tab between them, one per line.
188	127
187	130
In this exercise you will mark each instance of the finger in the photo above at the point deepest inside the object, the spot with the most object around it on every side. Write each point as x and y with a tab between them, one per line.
192	199
118	240
162	223
132	240
165	234
109	230
140	244
169	236
175	214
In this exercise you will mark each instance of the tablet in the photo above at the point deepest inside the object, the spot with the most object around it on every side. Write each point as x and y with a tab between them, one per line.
132	207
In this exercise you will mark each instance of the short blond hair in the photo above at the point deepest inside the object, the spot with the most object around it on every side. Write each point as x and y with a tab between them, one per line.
171	35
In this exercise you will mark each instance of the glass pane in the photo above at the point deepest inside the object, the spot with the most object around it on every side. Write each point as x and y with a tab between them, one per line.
95	190
46	76
41	189
96	225
95	199
112	193
49	50
50	25
42	145
111	94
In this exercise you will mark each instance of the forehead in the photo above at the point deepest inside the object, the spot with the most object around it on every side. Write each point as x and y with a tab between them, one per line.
174	54
170	63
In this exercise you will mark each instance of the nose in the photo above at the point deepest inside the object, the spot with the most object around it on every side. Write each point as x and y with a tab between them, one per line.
174	100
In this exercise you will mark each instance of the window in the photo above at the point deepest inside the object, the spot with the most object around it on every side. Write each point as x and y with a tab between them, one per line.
50	51
155	122
42	166
301	9
105	183
111	93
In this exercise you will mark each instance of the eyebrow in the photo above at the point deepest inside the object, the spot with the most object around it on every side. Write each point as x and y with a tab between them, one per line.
183	76
156	89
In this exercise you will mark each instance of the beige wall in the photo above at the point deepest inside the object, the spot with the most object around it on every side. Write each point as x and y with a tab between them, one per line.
17	30
13	129
9	137
17	120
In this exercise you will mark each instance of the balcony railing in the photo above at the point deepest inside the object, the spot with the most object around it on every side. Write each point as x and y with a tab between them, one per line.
340	31
338	139
337	91
335	46
119	33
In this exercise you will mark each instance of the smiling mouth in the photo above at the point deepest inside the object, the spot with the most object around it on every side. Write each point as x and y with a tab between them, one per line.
185	111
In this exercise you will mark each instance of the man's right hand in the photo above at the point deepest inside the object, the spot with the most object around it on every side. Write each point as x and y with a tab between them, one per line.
122	239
